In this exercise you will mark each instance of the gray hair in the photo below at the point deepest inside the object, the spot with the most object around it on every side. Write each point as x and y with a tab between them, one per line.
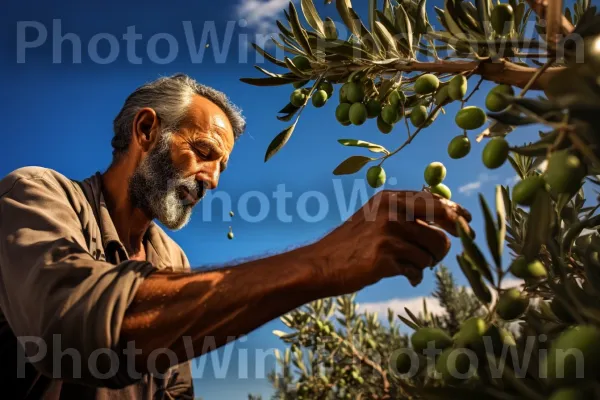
170	97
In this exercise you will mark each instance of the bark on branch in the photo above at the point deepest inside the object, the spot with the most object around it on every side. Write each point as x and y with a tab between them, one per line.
498	72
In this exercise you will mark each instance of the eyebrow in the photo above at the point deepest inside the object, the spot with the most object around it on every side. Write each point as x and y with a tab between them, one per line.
213	148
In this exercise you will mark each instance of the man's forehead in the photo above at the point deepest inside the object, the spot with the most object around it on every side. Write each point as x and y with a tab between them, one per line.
206	118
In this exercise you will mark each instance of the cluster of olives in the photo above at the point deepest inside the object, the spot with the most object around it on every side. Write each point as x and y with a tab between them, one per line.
454	362
435	173
479	336
299	96
355	108
564	173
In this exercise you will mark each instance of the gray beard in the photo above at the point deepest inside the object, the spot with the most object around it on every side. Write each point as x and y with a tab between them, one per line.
155	187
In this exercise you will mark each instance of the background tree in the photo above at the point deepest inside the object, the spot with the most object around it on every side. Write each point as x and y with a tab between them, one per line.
402	68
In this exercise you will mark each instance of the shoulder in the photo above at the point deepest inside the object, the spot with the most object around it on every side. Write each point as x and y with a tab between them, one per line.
34	176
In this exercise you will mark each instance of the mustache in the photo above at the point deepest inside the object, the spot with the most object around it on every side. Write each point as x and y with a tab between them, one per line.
196	189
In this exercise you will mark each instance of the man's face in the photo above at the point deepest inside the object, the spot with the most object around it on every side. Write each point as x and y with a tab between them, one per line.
178	170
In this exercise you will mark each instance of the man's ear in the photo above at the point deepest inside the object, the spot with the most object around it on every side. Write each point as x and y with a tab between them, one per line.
146	128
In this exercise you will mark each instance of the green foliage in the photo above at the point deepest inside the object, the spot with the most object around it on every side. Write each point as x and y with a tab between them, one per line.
405	64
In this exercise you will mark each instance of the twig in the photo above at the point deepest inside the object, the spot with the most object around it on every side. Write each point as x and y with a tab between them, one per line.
584	148
476	88
540	7
535	77
411	137
406	122
367	361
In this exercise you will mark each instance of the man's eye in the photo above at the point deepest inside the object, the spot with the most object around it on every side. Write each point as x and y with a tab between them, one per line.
202	153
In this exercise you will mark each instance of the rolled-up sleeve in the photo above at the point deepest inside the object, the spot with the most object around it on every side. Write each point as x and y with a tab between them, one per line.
52	290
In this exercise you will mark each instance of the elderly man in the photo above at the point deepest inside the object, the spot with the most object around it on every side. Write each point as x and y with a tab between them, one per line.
97	302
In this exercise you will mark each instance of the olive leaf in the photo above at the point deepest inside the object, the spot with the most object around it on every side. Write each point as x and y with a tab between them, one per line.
376	148
442	20
351	165
386	38
397	36
451	21
340	47
287	117
404	26
538	225
474	254
516	167
386	87
387	9
287	48
372	13
289	107
284	30
519	14
474	277
491	232
459	13
284	335
295	70
421	27
270	81
512	117
268	56
502	203
369	41
507	203
267	72
312	16
279	141
291	45
343	8
409	323
484	8
413	317
330	29
532	150
299	32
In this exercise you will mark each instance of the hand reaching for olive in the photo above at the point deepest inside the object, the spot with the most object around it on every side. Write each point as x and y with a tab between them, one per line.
395	233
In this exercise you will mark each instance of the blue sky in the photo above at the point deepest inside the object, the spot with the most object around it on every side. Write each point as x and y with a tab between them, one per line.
59	115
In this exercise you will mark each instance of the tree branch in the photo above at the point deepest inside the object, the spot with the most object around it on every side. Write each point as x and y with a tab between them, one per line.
501	71
498	72
540	7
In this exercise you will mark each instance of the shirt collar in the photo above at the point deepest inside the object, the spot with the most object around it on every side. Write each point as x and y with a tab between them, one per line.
156	252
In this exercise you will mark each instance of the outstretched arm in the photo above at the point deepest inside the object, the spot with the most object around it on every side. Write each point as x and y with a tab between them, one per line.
388	237
218	305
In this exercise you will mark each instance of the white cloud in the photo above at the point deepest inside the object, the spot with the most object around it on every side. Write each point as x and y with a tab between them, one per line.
261	14
512	180
415	304
469	188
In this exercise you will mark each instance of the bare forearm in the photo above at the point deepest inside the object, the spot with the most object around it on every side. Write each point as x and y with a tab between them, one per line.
220	305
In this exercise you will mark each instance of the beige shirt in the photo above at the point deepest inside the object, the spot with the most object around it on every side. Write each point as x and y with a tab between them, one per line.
66	281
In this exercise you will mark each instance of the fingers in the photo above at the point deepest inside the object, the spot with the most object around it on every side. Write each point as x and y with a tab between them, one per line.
404	258
429	239
432	208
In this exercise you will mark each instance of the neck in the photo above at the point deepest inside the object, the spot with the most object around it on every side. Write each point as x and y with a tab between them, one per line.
130	222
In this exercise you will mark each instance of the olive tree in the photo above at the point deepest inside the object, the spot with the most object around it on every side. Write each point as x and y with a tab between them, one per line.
401	66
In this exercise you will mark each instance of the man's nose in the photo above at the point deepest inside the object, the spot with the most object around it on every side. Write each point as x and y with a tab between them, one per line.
210	176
